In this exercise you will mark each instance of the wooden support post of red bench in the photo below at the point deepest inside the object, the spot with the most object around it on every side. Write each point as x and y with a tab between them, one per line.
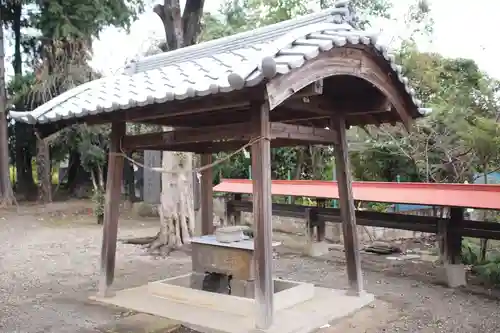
309	216
321	226
233	216
450	247
347	211
111	208
315	245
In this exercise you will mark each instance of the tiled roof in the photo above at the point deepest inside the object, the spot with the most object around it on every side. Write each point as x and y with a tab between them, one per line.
213	67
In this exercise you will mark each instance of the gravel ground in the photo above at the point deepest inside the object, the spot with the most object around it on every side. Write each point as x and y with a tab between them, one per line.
49	266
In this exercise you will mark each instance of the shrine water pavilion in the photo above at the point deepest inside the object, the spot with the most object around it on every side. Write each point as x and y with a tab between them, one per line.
299	82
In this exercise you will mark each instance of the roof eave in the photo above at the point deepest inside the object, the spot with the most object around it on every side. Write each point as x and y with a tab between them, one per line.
23	116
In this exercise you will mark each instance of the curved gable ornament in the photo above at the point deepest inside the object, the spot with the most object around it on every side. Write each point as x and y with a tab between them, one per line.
357	61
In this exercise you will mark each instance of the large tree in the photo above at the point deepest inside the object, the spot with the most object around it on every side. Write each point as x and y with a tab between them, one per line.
182	28
6	193
23	133
58	56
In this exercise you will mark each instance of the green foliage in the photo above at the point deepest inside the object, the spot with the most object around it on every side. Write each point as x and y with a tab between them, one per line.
283	162
83	19
54	177
92	144
238	166
470	253
487	270
379	207
265	12
57	57
483	136
459	138
376	161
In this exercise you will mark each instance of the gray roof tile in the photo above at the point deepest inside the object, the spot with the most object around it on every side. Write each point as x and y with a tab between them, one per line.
222	65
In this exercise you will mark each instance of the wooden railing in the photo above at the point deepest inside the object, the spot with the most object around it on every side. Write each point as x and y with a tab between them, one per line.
318	216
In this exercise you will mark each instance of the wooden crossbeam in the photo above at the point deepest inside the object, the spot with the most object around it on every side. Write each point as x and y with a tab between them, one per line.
225	137
321	105
173	138
307	134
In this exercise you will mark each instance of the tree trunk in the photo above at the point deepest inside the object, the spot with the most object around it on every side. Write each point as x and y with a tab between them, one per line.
177	199
43	171
6	193
72	172
25	184
76	174
177	203
300	163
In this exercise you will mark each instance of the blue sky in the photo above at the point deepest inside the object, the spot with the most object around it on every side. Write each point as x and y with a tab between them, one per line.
462	28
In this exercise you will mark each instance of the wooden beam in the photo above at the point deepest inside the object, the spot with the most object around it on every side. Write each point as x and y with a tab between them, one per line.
310	105
207	198
310	135
321	105
239	131
347	210
262	214
359	62
427	224
111	208
227	146
222	136
221	104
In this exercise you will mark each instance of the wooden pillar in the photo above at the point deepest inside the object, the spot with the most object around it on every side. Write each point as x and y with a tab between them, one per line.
237	214
321	225
262	214
111	208
347	210
450	240
233	216
207	197
309	216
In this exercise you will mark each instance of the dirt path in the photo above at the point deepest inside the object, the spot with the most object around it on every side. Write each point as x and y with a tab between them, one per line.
49	268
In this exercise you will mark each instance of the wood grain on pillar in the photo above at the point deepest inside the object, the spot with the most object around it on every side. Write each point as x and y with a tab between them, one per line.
111	208
207	200
347	210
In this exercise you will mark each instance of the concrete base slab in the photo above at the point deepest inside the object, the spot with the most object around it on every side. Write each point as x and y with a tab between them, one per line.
180	289
455	275
326	305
